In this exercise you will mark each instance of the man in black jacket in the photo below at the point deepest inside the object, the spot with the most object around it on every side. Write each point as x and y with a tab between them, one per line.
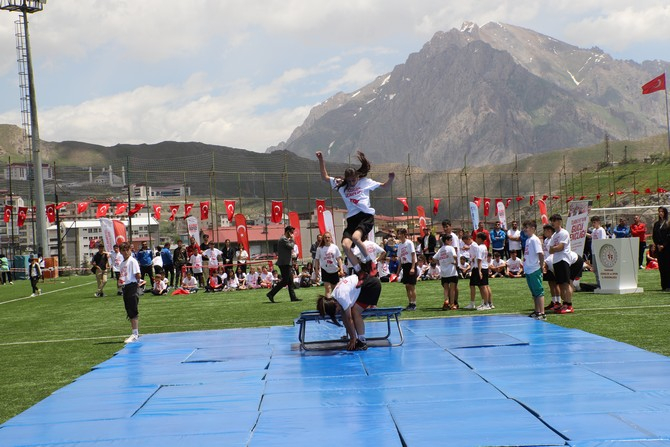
284	254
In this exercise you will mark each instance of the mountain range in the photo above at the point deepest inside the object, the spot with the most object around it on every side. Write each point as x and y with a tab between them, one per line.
485	95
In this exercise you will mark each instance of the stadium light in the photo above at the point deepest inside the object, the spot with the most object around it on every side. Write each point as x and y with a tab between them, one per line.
26	7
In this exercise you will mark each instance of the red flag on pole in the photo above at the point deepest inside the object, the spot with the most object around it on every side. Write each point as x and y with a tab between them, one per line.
495	211
135	210
204	210
655	85
23	212
8	213
230	209
51	213
543	212
119	232
120	208
277	211
157	212
173	212
436	206
487	206
62	205
661	190
476	201
320	208
532	200
545	196
507	202
422	217
102	210
648	191
81	207
187	209
405	206
242	231
294	221
519	198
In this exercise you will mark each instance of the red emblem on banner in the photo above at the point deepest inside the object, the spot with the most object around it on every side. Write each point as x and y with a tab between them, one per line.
320	208
242	232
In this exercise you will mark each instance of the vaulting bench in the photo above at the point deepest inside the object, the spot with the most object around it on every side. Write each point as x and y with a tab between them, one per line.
379	312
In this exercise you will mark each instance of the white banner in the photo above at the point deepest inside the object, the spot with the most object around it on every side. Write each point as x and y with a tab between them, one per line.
474	215
502	215
193	228
330	225
578	224
108	236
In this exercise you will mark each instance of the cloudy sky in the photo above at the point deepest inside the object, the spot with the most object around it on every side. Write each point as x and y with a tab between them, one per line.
246	73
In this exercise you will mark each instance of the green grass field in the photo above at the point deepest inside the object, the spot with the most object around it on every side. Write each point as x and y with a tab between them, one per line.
50	340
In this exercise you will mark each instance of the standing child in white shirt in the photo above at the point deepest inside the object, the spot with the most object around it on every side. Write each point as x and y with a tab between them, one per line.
128	281
407	265
533	260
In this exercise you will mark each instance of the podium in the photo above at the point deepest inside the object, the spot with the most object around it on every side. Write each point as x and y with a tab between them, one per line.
617	262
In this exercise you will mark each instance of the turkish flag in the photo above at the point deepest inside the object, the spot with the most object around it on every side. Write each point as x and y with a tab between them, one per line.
543	212
507	202
476	201
242	231
655	85
555	197
422	217
157	212
320	208
648	191
23	211
519	198
495	212
598	196
102	210
619	193
204	210
8	213
230	209
532	200
436	206
120	208
582	197
635	192
545	197
405	206
135	210
187	209
487	206
661	190
51	213
569	199
277	211
173	212
119	232
81	207
62	205
294	221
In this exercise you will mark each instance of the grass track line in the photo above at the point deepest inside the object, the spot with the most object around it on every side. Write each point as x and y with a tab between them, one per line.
45	293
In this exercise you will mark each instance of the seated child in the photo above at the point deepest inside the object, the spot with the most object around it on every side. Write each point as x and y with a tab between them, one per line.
305	279
266	278
496	266
189	283
217	281
160	285
514	266
464	268
231	281
253	278
241	279
433	269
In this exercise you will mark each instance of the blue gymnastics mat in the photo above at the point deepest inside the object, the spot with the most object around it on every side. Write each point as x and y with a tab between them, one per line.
469	381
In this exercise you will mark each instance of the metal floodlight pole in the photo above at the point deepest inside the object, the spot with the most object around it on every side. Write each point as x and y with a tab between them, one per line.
26	7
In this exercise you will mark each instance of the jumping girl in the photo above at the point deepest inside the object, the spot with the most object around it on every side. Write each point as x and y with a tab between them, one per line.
355	189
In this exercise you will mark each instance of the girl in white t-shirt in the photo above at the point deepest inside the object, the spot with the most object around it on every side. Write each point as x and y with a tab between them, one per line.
328	263
407	265
446	256
355	190
196	267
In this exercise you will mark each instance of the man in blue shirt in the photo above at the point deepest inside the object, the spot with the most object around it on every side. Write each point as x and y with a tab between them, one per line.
498	237
144	257
168	263
621	230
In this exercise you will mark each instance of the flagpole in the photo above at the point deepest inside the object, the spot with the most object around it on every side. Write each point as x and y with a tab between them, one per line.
667	116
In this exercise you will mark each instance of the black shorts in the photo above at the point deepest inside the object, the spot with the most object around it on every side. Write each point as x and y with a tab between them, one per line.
131	299
577	268
476	281
548	276
450	280
371	289
361	221
408	279
562	272
332	278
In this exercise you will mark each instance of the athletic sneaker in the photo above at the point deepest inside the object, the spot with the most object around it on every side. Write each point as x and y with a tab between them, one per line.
552	306
361	346
491	306
533	315
483	307
411	306
446	307
564	310
541	317
33	295
470	306
39	291
132	339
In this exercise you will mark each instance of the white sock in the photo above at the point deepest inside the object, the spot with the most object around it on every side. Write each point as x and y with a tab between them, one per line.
136	332
556	299
362	338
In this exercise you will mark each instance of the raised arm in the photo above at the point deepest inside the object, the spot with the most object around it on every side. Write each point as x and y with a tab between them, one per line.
322	167
389	180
